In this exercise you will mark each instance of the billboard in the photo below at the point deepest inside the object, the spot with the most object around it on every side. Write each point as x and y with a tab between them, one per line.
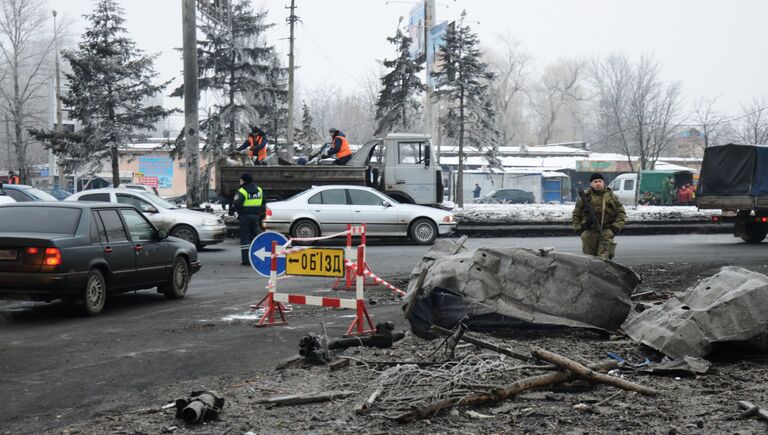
160	167
436	35
416	21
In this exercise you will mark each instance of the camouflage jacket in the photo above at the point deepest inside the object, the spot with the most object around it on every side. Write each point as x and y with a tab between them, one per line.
612	215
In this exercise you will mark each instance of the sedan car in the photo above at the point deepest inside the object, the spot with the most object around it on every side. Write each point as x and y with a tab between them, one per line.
25	193
196	227
328	210
88	251
507	196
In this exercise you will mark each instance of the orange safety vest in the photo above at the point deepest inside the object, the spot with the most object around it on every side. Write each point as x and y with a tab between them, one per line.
262	153
14	180
344	150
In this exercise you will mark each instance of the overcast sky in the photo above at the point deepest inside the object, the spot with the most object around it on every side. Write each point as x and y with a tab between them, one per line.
717	48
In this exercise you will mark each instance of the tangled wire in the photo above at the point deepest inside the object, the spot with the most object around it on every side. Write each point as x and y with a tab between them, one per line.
401	388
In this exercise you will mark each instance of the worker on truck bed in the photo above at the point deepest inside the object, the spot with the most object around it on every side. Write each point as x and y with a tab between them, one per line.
339	146
257	146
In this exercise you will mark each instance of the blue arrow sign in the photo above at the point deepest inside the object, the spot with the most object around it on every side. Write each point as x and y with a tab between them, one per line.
260	253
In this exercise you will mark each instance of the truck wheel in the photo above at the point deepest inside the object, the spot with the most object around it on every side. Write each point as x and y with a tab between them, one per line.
754	233
178	282
423	231
304	229
94	293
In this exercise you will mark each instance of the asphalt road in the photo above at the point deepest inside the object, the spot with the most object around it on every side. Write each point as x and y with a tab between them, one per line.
58	366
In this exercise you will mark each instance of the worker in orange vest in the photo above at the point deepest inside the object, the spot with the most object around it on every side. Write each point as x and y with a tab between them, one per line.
339	146
13	178
257	146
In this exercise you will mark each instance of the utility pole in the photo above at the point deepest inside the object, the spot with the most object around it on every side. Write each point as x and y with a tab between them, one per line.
429	22
59	117
191	123
289	135
8	139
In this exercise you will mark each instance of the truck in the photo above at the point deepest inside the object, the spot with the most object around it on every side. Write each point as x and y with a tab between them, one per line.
734	179
625	186
401	165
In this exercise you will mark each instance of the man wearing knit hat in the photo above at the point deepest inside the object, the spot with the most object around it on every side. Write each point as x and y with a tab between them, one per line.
598	215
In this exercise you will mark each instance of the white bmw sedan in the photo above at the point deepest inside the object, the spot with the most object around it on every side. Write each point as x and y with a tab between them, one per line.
324	210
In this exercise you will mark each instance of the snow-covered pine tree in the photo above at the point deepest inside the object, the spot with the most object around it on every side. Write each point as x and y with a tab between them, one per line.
238	69
398	107
462	85
306	135
109	83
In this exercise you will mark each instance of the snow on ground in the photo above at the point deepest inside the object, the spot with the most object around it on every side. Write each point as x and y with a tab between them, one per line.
562	213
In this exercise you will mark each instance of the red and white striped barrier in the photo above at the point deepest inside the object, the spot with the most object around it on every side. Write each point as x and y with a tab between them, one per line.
272	304
367	272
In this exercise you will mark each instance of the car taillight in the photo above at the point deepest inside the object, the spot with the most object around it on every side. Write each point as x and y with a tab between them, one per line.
52	257
269	213
715	218
32	251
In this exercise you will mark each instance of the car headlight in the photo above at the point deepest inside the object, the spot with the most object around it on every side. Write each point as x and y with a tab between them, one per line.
448	219
210	222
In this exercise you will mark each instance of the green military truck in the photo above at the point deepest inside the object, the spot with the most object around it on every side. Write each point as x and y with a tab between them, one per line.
734	179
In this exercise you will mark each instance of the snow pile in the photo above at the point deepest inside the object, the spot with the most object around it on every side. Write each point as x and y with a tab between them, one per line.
516	213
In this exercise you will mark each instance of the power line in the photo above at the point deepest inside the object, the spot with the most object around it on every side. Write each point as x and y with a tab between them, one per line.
329	58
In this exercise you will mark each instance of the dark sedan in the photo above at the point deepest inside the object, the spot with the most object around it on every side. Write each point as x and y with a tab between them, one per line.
85	251
507	196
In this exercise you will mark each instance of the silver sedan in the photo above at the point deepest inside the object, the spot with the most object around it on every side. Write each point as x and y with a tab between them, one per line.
324	210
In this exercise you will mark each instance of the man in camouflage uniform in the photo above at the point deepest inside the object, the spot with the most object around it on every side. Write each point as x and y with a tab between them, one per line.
610	216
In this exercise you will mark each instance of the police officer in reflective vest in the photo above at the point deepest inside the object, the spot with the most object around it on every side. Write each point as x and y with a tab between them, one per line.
251	207
257	146
339	146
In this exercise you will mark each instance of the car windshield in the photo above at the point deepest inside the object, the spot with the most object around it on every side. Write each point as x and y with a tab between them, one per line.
38	220
41	195
160	202
491	193
389	198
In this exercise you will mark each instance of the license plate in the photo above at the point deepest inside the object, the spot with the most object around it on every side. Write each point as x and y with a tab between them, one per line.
316	262
8	254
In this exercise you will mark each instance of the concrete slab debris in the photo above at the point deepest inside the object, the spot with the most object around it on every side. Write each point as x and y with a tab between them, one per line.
726	307
502	289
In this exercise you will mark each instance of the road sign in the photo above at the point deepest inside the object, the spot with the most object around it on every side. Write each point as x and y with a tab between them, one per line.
316	262
260	253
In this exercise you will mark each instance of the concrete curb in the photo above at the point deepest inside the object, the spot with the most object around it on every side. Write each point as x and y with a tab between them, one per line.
553	229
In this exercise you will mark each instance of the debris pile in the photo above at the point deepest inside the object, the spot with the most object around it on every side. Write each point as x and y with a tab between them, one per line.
728	307
503	289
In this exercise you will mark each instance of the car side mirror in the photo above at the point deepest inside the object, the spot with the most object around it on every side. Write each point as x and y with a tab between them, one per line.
427	155
162	235
149	209
386	204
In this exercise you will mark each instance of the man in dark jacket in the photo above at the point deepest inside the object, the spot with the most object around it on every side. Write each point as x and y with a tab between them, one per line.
251	207
339	147
597	229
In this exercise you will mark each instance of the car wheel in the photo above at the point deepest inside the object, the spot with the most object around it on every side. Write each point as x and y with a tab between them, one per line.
305	229
185	232
423	231
95	293
178	281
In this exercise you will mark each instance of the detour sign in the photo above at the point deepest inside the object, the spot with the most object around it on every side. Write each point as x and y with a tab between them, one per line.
316	262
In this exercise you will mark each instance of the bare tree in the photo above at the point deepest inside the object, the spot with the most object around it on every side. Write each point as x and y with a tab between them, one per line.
639	111
713	124
24	55
510	64
558	90
751	127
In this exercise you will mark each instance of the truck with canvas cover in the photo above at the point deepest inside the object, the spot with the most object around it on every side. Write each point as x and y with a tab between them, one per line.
402	165
734	179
